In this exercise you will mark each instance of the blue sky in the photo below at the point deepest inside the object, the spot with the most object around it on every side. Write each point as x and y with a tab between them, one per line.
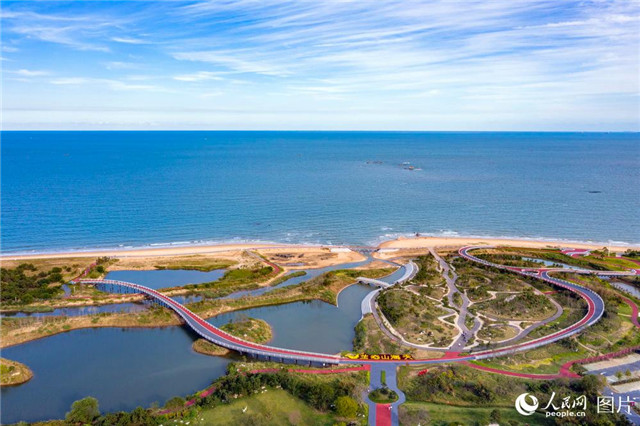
329	65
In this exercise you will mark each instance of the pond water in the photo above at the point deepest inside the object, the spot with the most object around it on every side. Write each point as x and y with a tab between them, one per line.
189	298
551	264
122	368
310	273
125	368
163	278
311	326
628	288
81	310
154	278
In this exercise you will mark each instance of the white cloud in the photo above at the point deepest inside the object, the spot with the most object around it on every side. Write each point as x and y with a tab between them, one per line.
28	73
198	76
102	82
393	61
120	65
128	40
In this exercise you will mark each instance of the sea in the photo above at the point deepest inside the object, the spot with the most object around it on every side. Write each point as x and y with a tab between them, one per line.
83	190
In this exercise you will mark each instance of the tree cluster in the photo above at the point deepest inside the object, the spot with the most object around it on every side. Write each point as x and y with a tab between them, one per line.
24	284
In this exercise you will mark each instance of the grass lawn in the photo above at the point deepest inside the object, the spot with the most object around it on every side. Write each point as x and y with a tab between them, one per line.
274	407
439	414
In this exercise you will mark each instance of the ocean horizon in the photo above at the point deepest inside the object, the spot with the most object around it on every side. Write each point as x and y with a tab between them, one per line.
87	190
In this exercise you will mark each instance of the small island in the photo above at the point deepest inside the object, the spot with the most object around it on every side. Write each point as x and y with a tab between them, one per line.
13	373
250	329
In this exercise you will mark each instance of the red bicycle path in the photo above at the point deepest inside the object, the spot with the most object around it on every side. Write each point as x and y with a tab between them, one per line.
383	415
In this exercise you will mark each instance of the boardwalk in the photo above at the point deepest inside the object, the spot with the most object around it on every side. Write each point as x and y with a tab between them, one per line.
221	338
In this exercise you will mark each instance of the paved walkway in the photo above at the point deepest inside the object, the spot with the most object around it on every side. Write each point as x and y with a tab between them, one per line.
451	277
384	414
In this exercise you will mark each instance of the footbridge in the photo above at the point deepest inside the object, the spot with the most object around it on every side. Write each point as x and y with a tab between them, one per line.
464	252
373	282
214	334
270	353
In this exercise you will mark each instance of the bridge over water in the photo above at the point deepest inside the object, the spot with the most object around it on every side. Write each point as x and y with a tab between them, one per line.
221	338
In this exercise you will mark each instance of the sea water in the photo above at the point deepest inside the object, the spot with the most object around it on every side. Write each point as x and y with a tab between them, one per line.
84	190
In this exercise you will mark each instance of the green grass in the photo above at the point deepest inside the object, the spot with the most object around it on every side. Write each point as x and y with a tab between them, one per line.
440	414
383	396
196	264
543	360
273	407
287	277
251	329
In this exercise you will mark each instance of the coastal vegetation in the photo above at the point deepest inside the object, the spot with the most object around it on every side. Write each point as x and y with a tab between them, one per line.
370	339
250	329
425	413
613	332
13	373
233	280
23	329
481	283
324	287
287	277
597	259
195	263
427	274
453	389
245	396
383	395
319	391
26	284
524	306
415	317
273	407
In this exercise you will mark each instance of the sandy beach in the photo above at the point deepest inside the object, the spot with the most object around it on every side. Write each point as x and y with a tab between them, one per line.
159	251
454	242
270	248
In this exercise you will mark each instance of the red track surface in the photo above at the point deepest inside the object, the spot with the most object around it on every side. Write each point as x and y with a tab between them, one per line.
383	415
335	359
453	356
634	311
565	369
308	371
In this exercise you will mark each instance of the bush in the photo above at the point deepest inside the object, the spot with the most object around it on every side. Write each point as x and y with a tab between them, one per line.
83	411
175	403
346	406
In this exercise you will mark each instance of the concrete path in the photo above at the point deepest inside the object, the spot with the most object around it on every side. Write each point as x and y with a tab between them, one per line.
451	277
376	383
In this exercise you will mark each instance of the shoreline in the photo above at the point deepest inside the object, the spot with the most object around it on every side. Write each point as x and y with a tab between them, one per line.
397	243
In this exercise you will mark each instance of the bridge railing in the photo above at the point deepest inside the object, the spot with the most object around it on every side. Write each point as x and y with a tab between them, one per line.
559	335
219	337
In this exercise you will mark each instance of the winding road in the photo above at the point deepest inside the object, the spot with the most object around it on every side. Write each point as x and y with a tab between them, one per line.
219	337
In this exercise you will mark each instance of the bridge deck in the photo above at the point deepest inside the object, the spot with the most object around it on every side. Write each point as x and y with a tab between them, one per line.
373	282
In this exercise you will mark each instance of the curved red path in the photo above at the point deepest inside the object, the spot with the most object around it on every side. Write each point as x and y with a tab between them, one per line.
634	311
320	371
565	369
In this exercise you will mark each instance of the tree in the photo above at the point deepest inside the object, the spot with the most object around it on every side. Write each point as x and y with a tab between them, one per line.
83	411
495	416
346	406
175	403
